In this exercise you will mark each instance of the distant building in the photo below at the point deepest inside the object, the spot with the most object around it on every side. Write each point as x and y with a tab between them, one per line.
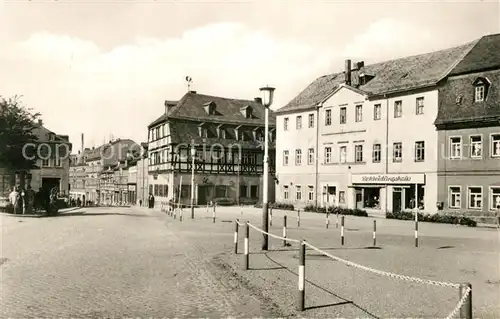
101	173
228	135
138	178
51	153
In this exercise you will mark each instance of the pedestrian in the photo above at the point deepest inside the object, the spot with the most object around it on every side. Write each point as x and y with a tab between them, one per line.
18	207
78	202
83	200
140	202
29	199
13	199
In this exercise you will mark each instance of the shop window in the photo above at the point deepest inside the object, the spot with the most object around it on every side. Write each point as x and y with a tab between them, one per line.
253	191
243	191
371	197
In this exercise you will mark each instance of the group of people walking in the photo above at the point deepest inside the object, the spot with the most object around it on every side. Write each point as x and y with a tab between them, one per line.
28	201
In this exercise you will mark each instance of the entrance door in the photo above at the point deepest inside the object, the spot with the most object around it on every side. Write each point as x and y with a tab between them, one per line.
359	198
49	183
397	200
203	194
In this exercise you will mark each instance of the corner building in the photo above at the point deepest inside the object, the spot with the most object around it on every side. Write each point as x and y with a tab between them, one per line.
367	138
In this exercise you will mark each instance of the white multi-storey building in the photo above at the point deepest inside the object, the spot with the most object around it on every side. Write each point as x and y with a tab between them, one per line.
367	137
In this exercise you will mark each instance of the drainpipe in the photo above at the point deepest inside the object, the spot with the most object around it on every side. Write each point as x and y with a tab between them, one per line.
386	149
317	156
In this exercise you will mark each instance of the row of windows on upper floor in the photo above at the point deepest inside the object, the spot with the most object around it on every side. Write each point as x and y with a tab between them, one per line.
50	162
480	92
210	130
377	114
475	198
455	151
163	156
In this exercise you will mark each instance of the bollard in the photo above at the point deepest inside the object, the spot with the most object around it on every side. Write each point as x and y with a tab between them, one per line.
236	236
247	235
241	207
270	216
298	217
337	223
416	230
374	233
207	208
284	230
175	213
327	221
180	214
466	309
213	214
302	277
342	231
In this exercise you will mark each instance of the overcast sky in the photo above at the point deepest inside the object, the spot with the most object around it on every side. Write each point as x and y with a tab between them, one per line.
106	67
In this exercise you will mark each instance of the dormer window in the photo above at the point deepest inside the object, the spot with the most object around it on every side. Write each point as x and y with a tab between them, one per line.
237	132
257	134
202	130
481	86
210	107
52	137
221	132
363	78
246	111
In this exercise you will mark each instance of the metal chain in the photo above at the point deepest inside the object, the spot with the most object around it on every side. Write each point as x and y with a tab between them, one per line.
459	304
385	273
272	235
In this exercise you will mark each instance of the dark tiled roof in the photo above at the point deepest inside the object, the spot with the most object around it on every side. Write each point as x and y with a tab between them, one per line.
182	131
390	76
111	151
468	110
485	55
191	107
163	117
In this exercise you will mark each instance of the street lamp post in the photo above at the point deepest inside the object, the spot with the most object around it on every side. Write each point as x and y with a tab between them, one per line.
193	154
267	100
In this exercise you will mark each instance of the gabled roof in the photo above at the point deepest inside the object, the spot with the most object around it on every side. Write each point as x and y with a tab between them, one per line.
484	55
391	76
190	107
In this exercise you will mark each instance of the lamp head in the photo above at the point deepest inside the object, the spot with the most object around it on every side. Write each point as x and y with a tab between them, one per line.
267	95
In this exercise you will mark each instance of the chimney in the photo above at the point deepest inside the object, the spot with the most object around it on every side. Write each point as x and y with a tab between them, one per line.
360	64
258	100
166	107
348	72
40	122
194	92
83	144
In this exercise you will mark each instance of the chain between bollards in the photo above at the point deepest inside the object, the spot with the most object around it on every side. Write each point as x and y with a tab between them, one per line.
342	230
302	277
247	238
374	233
284	230
466	309
236	224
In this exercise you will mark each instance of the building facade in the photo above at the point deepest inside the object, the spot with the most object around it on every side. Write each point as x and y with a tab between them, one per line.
468	126
366	138
227	135
101	173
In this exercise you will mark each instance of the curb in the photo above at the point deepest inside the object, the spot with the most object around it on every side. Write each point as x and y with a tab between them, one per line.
67	210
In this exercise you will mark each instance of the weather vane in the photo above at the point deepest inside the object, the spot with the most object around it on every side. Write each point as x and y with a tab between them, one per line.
189	80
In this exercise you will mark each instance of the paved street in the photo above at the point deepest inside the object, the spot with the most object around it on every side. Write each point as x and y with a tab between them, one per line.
135	262
115	262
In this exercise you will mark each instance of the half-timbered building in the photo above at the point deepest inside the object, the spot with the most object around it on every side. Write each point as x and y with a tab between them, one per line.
228	137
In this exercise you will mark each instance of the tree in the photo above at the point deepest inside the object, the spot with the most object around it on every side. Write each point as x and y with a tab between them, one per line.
17	123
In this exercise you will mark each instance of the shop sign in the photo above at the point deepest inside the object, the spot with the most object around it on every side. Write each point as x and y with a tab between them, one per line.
388	179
